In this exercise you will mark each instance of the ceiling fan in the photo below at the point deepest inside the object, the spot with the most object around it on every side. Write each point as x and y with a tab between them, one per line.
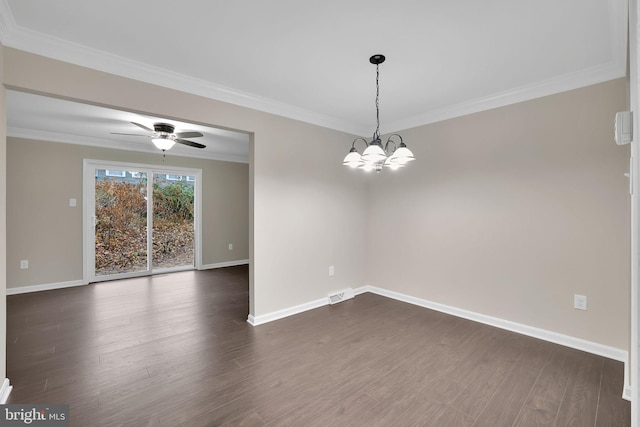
164	138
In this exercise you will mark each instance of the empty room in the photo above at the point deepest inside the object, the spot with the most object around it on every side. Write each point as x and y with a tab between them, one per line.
319	213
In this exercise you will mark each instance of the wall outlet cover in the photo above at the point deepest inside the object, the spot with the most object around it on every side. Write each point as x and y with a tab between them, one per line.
580	302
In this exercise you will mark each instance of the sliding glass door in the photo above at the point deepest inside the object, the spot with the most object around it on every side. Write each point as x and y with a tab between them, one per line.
173	220
139	220
120	222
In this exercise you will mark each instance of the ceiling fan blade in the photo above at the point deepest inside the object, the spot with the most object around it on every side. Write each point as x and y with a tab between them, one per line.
130	134
189	134
190	143
142	126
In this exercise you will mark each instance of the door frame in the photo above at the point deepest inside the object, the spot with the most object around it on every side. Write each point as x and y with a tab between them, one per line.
88	211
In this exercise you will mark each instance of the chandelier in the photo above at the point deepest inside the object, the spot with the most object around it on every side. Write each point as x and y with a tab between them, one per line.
394	154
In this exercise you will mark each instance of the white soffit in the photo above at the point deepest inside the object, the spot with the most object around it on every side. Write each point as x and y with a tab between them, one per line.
309	60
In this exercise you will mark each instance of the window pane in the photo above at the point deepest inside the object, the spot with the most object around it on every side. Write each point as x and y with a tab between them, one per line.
121	223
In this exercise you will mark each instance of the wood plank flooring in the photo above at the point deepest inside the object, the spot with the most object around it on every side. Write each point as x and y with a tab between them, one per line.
175	350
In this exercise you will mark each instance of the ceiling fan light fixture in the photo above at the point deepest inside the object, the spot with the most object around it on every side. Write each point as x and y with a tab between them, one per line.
163	137
163	143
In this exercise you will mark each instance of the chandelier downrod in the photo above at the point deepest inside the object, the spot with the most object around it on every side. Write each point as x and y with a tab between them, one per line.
377	59
376	156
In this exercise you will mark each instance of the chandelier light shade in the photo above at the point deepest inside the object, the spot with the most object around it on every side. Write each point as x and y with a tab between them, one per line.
394	154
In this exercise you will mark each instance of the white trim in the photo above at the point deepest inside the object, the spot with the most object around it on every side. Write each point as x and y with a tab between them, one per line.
178	269
554	337
251	320
602	73
627	390
614	69
361	290
7	22
634	86
197	209
17	37
73	283
280	314
224	264
45	287
5	390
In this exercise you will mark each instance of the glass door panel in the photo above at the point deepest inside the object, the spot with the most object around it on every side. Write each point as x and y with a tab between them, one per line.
120	222
173	221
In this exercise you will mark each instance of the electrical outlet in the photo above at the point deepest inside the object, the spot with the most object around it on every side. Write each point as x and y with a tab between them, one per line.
332	270
230	246
24	264
580	302
72	202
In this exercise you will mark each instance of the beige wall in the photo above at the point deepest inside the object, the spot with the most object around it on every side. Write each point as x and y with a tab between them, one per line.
512	211
306	213
507	212
43	176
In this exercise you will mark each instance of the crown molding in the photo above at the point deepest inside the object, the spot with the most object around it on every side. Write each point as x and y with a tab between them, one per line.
619	24
547	87
64	138
14	36
614	69
7	23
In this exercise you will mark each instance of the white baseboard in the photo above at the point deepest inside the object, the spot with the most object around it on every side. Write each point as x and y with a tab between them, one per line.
280	314
361	290
251	320
45	287
72	283
5	390
554	337
224	264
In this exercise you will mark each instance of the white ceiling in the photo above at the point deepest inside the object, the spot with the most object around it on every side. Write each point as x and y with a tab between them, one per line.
309	60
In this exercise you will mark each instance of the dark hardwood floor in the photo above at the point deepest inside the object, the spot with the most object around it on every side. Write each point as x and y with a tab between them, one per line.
175	350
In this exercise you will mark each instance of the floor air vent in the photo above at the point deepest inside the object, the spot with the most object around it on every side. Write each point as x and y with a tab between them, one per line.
336	297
